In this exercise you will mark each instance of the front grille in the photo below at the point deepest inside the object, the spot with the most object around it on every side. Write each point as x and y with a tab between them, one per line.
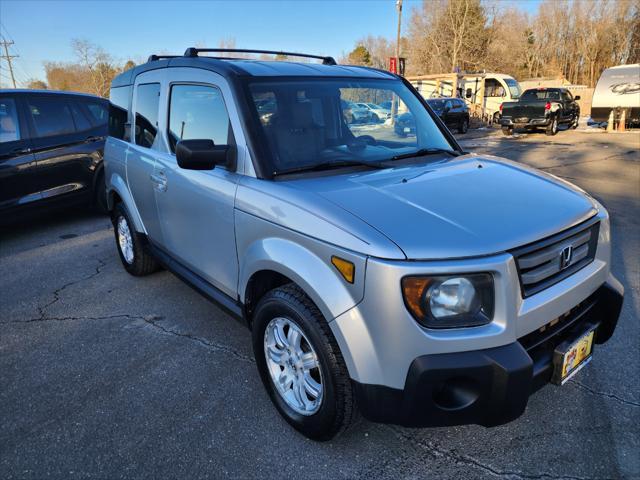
546	262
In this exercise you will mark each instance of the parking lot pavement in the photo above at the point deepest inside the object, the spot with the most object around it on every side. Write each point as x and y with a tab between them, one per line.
103	375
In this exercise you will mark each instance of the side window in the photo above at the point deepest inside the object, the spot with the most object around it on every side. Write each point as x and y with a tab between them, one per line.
51	116
79	118
146	123
118	109
199	112
9	126
98	112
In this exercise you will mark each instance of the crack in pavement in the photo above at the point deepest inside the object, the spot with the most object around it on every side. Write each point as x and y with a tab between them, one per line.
211	345
604	394
452	455
42	311
64	319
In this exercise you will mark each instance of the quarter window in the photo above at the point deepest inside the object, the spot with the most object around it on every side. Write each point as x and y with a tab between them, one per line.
51	116
199	112
118	110
146	123
9	126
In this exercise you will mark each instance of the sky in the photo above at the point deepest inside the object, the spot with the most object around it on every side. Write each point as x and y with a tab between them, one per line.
43	30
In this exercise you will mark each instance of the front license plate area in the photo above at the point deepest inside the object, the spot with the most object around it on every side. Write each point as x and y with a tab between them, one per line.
571	356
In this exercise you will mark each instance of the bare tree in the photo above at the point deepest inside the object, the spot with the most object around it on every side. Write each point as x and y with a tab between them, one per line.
98	64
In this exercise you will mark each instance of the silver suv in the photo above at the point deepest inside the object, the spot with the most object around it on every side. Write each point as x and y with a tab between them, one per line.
384	270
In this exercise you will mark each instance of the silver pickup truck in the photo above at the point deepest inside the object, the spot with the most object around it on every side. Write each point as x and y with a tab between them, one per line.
391	274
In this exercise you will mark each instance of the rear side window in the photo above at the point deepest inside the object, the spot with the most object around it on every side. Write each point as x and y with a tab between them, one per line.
199	112
98	112
541	95
118	109
9	126
51	116
146	122
79	118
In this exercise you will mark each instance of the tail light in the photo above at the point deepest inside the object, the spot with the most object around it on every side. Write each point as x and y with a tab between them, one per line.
547	106
500	108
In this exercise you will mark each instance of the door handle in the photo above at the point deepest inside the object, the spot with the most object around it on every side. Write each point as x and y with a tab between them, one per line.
21	151
92	139
159	181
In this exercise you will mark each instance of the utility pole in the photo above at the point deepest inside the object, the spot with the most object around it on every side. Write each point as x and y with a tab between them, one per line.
8	58
394	103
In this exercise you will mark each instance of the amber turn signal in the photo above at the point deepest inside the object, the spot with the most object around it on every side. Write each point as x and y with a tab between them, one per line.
345	267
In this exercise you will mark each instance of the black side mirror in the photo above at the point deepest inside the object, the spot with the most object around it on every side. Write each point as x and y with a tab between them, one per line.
576	98
202	154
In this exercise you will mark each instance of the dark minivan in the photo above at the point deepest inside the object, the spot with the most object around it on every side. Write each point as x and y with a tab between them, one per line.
51	149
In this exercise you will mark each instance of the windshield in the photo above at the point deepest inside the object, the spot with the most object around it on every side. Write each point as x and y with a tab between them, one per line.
436	104
514	87
310	122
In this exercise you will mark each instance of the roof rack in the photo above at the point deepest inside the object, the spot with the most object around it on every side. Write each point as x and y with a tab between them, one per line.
193	52
153	58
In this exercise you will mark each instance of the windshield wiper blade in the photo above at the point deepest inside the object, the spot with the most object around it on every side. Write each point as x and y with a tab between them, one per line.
335	164
424	152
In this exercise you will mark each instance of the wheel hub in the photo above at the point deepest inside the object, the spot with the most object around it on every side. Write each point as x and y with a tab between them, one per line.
293	365
125	242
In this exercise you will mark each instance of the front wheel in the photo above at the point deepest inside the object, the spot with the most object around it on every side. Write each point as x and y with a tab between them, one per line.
300	364
463	126
507	131
575	122
552	128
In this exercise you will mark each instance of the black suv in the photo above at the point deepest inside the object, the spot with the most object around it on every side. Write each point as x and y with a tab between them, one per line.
51	147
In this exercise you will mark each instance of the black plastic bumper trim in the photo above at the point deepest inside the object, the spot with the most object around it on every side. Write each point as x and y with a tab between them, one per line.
486	387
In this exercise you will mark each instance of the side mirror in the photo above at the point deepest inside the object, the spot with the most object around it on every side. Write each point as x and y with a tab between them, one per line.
576	98
201	154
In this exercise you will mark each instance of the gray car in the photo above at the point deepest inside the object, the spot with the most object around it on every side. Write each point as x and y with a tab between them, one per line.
392	274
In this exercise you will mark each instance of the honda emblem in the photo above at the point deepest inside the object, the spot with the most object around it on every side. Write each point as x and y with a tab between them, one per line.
566	255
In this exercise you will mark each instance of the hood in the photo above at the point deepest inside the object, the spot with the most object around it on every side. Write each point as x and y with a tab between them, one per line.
469	206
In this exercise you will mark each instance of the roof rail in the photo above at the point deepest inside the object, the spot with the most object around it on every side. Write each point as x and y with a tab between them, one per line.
193	52
153	58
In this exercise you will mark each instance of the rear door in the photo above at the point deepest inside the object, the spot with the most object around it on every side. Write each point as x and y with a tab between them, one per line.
144	148
18	184
63	143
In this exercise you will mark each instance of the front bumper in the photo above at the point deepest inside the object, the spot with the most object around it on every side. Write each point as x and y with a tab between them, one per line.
491	386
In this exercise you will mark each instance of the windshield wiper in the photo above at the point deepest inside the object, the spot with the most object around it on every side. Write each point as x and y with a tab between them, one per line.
424	152
334	164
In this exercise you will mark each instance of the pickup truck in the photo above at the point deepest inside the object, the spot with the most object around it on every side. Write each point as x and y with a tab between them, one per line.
540	108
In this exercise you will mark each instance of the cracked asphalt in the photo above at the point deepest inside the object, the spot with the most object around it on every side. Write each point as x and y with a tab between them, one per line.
103	375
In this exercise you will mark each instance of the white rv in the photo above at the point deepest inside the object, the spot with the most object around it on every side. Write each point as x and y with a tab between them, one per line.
617	87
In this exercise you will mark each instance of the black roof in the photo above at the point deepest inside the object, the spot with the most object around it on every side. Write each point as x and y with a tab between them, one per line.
248	68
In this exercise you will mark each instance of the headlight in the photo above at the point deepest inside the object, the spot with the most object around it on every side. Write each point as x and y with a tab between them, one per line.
450	301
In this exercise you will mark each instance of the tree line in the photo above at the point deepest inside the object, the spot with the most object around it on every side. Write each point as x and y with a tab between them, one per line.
576	39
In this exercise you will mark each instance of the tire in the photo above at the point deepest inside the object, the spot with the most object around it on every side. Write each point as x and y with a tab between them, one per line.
331	411
576	121
507	131
496	118
463	126
100	194
135	259
552	128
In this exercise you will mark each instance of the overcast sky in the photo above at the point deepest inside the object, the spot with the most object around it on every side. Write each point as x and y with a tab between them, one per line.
42	30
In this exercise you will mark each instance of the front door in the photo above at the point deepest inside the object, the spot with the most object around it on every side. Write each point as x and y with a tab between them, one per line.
196	208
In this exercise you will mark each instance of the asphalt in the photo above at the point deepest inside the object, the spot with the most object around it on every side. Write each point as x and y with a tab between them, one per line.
103	375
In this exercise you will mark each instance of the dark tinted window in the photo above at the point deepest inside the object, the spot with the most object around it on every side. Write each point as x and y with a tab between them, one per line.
541	95
198	112
79	118
98	112
147	103
9	126
51	116
118	108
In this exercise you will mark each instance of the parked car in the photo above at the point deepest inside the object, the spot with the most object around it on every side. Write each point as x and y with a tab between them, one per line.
354	113
404	125
399	276
541	108
51	148
378	114
452	111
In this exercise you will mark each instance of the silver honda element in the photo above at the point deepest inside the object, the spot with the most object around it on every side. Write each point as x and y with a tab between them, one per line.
379	267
